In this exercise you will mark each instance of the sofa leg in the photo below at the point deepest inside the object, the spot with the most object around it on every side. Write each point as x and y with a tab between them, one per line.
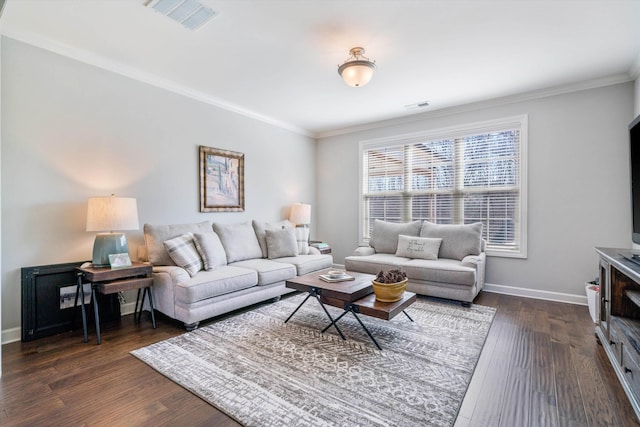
466	304
275	299
191	326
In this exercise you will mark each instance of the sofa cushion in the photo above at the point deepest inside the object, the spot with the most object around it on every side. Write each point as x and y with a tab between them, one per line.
418	247
183	252
372	264
268	271
260	227
308	263
239	241
302	237
155	235
209	284
210	249
441	271
458	240
281	243
385	234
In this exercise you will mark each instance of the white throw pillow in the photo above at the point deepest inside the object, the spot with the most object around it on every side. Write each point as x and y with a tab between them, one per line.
418	247
458	240
281	243
260	226
239	241
183	252
210	249
302	237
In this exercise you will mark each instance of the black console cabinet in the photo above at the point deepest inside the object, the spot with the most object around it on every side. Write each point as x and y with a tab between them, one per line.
48	295
618	328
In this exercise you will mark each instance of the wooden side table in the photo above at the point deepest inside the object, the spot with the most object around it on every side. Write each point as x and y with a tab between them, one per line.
109	281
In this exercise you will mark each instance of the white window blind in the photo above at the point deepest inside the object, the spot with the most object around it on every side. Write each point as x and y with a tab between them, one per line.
456	176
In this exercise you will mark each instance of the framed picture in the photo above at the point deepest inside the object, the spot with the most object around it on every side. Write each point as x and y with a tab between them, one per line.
221	180
119	260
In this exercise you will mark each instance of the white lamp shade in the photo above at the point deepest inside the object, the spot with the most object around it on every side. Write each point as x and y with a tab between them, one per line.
300	213
112	213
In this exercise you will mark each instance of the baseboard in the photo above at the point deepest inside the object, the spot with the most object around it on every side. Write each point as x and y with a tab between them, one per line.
536	294
11	335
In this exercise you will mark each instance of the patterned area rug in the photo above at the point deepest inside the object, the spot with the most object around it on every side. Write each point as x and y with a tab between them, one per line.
263	372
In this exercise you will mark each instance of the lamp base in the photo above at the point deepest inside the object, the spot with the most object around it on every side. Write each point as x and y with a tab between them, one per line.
107	244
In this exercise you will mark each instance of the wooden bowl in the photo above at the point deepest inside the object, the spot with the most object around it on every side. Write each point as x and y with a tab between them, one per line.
389	292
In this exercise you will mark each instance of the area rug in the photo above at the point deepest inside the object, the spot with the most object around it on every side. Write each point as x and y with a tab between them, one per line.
263	372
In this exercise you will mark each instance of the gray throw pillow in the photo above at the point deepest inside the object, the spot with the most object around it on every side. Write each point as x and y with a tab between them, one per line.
156	235
183	252
458	240
281	243
210	249
418	247
260	226
385	234
239	241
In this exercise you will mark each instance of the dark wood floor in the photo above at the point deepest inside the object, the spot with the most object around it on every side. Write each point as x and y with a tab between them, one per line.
540	366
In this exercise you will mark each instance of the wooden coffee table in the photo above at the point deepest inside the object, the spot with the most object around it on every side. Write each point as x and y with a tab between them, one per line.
353	296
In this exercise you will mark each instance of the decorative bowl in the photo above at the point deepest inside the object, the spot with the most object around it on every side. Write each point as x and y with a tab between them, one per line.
389	292
335	274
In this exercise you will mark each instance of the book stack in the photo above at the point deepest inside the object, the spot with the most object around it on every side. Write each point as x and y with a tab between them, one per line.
324	248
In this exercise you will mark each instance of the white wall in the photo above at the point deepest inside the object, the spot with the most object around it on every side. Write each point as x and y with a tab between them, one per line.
578	184
71	131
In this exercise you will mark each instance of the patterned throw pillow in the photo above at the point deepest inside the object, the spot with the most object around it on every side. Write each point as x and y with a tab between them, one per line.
183	252
210	249
302	238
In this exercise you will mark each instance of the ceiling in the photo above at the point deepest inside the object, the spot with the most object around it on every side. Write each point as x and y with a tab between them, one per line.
277	60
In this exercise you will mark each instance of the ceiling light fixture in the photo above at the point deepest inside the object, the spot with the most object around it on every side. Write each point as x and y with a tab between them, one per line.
358	69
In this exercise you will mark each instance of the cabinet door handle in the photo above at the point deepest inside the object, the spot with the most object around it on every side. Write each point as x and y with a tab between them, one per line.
627	370
612	342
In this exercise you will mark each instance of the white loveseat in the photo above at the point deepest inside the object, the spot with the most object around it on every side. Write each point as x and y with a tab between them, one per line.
446	261
201	271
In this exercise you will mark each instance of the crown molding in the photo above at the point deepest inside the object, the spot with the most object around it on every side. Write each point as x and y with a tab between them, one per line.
144	77
474	106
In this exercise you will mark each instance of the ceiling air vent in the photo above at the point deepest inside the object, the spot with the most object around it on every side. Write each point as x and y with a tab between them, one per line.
417	105
189	13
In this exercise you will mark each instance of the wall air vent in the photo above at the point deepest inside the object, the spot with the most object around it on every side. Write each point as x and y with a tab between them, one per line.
190	13
417	105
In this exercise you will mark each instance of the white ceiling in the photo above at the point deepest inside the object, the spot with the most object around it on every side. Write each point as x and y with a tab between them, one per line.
277	60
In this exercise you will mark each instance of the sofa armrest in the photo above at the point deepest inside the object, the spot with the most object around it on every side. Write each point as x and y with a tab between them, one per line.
176	273
473	260
313	251
364	251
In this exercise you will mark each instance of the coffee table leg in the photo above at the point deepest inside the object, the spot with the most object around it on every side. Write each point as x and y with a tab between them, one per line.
298	308
407	314
333	322
365	328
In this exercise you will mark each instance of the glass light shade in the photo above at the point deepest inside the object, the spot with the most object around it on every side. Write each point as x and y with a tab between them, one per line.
300	214
357	73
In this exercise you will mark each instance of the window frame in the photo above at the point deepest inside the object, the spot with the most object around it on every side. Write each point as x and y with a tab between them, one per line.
519	122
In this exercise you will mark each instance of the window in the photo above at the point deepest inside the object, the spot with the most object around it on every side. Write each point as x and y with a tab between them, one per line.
473	173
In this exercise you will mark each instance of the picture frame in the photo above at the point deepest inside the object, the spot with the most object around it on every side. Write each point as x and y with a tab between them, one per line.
119	260
221	180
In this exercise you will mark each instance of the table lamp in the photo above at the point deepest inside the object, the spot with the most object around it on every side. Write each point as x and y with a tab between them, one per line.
106	215
300	214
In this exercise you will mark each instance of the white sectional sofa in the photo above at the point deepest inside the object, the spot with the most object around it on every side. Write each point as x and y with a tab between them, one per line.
446	261
201	271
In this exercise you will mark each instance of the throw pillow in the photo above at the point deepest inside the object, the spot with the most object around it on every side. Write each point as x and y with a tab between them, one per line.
281	243
384	238
210	249
239	241
260	227
183	252
155	235
302	238
458	240
418	247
